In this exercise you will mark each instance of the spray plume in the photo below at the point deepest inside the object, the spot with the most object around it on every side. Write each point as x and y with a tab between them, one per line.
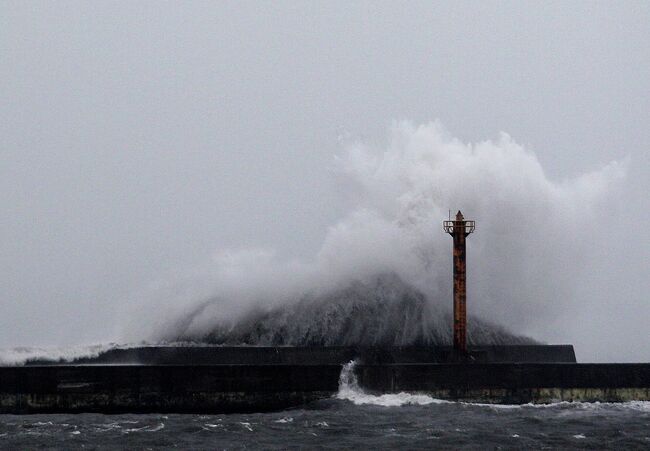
383	273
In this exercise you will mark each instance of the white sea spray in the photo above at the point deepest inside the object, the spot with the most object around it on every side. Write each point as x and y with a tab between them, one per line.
398	194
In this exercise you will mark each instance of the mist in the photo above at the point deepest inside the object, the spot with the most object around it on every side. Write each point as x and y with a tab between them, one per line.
154	157
523	263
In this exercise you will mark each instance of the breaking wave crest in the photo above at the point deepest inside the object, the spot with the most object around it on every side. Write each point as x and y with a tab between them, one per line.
349	390
381	311
21	355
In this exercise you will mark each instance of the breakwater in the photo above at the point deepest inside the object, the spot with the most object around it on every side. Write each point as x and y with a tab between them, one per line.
220	380
312	355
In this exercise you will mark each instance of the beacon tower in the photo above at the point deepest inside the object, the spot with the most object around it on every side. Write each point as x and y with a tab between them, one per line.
459	229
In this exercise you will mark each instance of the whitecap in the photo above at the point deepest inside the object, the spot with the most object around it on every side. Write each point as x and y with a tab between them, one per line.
284	420
157	428
19	356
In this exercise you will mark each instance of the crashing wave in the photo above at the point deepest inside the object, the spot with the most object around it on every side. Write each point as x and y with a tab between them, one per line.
21	355
382	311
350	390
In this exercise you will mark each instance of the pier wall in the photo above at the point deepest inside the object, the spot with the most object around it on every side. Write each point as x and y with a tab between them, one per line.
330	355
247	388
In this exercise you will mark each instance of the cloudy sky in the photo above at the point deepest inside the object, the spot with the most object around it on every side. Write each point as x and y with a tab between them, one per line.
137	138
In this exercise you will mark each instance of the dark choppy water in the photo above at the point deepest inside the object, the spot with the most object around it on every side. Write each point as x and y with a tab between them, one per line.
340	423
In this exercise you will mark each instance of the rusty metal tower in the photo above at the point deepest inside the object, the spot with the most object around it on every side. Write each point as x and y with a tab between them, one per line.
459	229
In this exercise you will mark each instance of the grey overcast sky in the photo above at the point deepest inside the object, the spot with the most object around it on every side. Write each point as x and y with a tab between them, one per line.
139	137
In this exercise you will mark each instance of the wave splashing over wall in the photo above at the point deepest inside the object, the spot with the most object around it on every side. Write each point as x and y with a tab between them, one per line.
383	272
384	311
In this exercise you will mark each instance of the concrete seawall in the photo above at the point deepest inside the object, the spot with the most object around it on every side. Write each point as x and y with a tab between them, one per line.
167	388
241	388
513	383
319	355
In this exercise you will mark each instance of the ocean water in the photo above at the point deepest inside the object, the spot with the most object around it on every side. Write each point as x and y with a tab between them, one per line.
341	423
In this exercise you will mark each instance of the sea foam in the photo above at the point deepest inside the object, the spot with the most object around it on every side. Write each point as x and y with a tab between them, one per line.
350	390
